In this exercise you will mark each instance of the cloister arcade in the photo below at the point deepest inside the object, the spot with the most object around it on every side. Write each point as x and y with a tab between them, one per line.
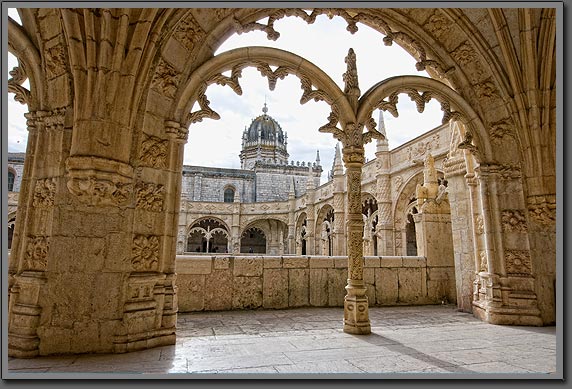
110	105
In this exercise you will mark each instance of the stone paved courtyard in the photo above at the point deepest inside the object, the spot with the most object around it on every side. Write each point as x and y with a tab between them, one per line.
425	339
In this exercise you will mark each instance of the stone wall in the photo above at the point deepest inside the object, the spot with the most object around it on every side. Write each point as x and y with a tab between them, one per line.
18	169
210	283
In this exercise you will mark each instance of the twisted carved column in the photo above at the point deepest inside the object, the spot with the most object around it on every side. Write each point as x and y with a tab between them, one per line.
356	311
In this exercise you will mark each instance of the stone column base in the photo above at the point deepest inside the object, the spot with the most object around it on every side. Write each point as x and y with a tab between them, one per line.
504	315
356	315
135	342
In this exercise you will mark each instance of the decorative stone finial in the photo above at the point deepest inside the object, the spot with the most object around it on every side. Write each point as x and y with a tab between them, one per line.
264	109
350	77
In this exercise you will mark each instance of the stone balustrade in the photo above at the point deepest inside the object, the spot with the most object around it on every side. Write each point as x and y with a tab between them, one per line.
226	282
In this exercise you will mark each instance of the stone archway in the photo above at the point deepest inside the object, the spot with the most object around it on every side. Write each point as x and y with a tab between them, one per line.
115	158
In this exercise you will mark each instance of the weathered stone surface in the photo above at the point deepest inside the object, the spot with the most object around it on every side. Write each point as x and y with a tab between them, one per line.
391	262
247	267
319	287
298	287
410	285
247	293
386	286
275	288
321	262
297	262
337	280
272	263
192	286
218	296
221	263
194	265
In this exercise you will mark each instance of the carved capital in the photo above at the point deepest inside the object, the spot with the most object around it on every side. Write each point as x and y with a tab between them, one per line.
176	132
99	181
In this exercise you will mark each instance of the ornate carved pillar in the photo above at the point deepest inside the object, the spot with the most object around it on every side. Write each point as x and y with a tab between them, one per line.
339	236
39	202
356	310
508	283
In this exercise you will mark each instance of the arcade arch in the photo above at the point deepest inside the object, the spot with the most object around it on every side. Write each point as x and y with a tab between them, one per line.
109	159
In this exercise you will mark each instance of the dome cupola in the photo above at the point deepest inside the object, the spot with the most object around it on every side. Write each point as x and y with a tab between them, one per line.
264	141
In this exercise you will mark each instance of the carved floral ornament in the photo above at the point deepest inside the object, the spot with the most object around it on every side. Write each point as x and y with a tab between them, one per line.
518	262
265	69
375	22
44	192
145	253
149	196
18	77
99	181
36	256
513	220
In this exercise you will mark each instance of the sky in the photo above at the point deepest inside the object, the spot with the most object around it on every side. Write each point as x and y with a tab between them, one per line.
325	43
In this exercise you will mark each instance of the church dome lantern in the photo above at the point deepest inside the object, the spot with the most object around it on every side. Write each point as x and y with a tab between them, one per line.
263	140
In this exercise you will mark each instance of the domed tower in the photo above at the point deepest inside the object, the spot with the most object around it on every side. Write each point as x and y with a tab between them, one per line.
263	141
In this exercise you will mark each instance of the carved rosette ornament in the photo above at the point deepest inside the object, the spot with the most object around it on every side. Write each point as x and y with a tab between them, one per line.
518	262
145	253
44	192
36	256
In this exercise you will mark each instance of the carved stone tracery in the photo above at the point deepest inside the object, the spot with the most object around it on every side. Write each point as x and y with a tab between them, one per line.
44	192
36	256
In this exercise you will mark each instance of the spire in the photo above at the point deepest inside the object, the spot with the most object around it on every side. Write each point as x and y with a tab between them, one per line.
382	123
310	179
264	109
317	157
337	167
338	156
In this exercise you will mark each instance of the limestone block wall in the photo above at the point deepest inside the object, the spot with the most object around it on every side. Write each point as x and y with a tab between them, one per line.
210	283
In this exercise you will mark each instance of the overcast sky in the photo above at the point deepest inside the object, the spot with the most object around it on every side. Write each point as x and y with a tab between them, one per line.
324	43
